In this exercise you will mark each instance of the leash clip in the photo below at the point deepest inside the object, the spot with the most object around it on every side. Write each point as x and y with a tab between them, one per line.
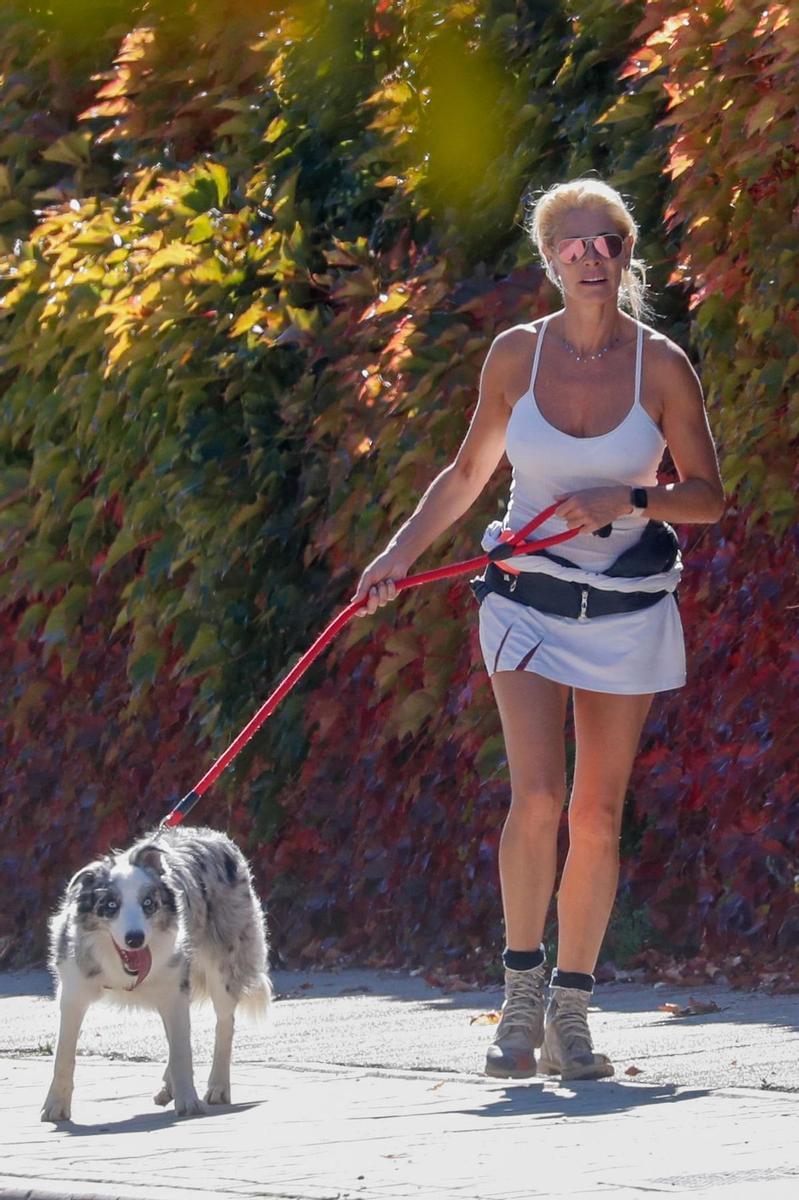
583	605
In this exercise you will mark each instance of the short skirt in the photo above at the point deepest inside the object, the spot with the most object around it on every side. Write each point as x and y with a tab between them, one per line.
624	653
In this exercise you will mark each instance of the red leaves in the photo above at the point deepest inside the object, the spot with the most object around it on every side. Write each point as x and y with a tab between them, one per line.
79	776
732	729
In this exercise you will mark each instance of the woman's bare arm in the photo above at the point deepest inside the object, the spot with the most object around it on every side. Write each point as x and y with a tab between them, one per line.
457	487
699	496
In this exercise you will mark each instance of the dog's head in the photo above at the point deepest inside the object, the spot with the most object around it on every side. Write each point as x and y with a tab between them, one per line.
127	898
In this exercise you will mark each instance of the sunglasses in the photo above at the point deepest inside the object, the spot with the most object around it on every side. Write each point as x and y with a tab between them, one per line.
571	250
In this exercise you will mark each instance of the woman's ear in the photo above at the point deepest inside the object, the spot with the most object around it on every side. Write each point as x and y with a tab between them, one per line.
629	244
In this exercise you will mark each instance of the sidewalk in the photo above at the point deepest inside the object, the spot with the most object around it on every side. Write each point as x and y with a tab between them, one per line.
323	1109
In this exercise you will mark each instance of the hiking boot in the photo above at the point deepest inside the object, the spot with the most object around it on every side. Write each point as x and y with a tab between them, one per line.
511	1055
567	1049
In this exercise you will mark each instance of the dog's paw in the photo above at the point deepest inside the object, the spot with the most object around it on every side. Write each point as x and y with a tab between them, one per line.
217	1093
189	1104
57	1108
163	1097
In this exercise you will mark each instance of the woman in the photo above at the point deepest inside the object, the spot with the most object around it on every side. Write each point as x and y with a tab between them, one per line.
584	401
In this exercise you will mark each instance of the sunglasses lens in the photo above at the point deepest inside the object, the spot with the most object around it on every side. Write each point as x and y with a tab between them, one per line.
609	245
570	249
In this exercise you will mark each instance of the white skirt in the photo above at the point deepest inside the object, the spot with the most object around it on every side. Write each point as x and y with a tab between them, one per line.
626	654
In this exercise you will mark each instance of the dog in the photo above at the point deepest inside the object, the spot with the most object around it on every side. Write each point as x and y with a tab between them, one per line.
172	920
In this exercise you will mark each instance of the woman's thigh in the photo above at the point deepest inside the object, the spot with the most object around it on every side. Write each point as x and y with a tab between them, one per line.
607	732
533	714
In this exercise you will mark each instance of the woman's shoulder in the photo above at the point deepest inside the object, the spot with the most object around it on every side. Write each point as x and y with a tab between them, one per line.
669	371
661	347
516	339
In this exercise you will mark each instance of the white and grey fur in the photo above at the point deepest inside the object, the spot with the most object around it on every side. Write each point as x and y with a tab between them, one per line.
186	896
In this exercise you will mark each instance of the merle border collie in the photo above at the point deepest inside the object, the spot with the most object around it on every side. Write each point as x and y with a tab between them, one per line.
171	920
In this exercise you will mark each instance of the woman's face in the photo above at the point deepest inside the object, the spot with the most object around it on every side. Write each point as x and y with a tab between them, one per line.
585	271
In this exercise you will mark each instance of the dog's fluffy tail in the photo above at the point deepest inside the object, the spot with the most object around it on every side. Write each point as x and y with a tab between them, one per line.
256	1000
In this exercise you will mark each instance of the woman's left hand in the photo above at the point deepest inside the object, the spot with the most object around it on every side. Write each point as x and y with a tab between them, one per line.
593	508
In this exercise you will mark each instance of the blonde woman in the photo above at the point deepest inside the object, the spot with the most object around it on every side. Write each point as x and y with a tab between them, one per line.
583	402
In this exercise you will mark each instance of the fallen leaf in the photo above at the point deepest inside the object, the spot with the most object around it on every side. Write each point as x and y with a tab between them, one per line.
634	1071
692	1009
487	1018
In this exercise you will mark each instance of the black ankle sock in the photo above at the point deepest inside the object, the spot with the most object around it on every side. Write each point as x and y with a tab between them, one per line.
572	979
523	960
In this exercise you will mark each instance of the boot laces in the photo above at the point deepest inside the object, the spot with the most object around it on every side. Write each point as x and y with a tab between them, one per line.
525	997
573	1028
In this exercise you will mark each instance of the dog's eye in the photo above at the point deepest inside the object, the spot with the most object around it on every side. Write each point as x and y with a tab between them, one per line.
110	907
148	904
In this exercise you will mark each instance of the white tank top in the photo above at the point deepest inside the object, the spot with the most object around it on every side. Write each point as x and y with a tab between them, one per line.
548	462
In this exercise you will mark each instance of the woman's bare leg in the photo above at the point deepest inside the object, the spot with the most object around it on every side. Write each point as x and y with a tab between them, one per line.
607	731
533	712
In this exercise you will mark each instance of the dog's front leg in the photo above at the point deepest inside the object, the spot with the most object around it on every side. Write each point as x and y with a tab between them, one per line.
73	1003
179	1076
219	1080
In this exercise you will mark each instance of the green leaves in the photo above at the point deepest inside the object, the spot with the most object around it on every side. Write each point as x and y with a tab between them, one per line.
246	300
732	81
63	619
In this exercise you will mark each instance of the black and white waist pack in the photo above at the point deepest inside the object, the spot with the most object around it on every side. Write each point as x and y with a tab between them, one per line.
655	553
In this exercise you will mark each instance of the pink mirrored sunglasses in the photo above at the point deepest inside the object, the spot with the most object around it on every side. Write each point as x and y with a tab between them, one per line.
571	250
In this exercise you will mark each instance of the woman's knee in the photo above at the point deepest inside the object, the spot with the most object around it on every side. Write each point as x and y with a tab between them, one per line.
537	808
598	821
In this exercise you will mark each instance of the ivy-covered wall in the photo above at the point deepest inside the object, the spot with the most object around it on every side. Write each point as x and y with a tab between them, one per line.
253	258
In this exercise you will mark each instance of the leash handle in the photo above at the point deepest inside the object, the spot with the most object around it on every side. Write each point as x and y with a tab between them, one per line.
518	544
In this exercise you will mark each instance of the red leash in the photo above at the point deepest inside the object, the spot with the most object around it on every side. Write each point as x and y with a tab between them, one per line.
516	544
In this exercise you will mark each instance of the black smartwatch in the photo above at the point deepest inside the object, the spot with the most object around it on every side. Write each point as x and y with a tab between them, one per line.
639	500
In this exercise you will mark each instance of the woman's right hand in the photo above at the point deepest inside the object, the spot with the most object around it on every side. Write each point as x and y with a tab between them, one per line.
377	584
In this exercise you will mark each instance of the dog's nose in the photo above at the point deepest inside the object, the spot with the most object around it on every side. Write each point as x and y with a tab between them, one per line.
134	939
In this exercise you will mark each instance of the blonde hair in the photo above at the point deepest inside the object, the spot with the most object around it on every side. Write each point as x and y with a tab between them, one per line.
546	210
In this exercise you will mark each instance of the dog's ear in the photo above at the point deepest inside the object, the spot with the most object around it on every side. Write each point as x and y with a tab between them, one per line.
82	885
149	858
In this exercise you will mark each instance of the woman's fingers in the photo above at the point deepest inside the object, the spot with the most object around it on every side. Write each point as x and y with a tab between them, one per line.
379	593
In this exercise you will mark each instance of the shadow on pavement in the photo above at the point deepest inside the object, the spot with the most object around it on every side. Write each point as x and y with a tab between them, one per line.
146	1122
581	1099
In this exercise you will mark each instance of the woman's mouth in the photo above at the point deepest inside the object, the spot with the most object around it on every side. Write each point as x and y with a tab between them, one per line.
594	282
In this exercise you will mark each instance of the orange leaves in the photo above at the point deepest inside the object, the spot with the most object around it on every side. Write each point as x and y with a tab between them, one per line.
679	162
775	18
732	115
765	111
136	44
387	302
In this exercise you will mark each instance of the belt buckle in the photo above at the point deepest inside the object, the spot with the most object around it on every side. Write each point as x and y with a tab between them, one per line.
583	614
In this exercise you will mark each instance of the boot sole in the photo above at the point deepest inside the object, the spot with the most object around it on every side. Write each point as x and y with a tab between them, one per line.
499	1073
597	1072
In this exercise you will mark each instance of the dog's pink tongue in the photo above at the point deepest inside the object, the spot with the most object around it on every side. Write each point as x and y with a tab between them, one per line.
137	961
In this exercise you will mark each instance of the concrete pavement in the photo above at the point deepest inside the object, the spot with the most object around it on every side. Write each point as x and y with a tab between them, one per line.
369	1084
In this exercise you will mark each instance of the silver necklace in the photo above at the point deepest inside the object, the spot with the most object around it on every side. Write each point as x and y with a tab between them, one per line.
587	357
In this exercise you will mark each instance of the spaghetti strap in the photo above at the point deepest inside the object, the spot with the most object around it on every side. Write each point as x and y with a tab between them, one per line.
539	339
638	360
